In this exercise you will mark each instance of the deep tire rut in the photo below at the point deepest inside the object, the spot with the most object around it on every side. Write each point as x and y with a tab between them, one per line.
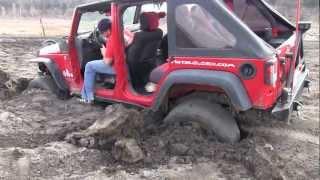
294	134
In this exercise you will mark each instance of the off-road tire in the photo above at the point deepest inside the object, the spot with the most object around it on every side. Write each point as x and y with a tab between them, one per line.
47	83
48	42
209	115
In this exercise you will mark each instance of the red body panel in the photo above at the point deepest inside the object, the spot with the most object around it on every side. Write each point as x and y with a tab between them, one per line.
261	95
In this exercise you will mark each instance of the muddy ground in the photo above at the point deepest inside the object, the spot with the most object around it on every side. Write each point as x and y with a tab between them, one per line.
34	124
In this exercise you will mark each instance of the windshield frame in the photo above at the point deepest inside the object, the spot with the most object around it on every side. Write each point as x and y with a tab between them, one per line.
93	23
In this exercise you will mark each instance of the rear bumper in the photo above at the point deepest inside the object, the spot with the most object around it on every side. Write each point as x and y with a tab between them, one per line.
285	106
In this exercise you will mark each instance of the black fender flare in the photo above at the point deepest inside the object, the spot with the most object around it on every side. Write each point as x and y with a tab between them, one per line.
229	82
54	71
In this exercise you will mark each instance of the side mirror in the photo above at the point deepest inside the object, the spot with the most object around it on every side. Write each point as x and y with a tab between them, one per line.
304	26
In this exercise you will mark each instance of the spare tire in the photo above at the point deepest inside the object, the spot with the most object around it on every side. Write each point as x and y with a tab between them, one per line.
209	116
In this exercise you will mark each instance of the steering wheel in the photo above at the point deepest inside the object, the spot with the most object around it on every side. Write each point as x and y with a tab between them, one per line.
98	38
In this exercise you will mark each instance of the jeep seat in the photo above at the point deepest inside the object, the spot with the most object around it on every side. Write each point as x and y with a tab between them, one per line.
158	73
142	52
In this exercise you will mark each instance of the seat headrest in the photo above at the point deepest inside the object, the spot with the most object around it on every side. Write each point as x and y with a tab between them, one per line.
229	4
149	21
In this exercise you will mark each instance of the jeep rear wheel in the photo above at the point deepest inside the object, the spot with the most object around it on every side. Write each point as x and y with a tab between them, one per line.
210	116
47	83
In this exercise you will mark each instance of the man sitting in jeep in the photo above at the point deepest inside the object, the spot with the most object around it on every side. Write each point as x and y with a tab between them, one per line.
103	66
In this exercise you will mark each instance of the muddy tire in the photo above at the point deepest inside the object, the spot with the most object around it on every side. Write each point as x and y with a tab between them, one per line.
210	116
48	42
47	83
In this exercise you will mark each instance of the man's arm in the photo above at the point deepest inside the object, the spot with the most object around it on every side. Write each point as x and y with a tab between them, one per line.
103	51
107	55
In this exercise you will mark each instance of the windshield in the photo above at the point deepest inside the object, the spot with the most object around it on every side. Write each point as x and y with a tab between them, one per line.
89	21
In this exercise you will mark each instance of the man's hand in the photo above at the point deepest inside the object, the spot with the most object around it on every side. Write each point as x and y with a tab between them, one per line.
108	61
103	51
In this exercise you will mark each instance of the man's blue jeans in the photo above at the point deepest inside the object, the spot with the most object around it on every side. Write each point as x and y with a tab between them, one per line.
93	67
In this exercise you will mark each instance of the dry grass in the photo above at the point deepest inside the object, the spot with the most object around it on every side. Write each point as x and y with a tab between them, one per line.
32	26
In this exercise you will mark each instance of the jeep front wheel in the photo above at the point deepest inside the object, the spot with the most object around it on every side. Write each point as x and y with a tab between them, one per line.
210	116
47	83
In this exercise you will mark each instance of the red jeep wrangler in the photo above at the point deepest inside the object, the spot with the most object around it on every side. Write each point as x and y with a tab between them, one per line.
209	60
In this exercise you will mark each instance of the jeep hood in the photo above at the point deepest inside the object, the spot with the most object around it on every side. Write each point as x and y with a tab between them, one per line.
51	49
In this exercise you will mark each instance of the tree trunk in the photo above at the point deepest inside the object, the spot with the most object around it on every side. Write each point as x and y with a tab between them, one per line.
14	9
20	11
3	11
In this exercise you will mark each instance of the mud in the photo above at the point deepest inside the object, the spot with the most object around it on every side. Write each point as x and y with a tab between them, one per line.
10	86
15	53
34	125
